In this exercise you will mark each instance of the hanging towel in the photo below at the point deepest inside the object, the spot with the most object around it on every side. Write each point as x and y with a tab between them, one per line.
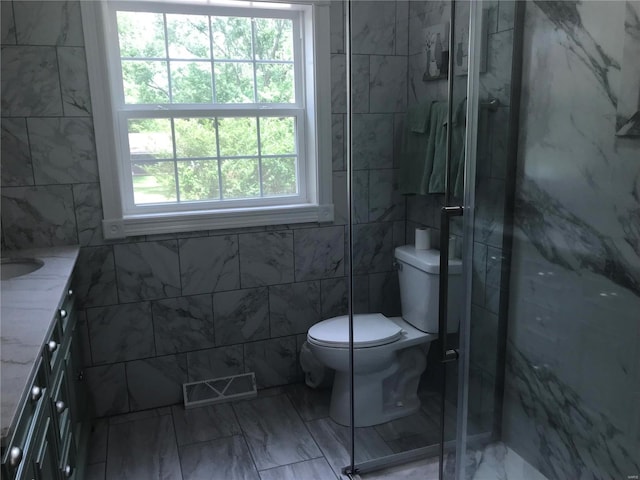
456	167
423	138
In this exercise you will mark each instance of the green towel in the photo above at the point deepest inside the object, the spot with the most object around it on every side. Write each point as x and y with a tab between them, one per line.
424	150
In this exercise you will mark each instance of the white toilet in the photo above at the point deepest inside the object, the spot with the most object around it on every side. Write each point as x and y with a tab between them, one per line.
390	354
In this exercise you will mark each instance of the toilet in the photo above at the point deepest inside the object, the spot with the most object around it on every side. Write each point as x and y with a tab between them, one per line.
390	353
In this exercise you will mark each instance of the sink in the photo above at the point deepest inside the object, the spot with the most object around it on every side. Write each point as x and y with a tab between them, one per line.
17	267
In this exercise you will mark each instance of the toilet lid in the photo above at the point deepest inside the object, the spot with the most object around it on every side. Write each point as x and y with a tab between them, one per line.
369	330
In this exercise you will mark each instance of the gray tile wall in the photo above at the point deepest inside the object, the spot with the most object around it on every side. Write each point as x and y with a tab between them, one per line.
162	310
572	402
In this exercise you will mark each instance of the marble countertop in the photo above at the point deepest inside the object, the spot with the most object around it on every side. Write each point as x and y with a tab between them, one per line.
28	307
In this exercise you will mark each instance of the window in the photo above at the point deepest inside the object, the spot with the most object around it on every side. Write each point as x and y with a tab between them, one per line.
210	115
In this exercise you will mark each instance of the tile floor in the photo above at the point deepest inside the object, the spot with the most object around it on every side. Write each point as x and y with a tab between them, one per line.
284	433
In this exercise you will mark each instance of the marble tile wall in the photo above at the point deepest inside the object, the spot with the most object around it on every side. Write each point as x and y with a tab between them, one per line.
573	379
160	310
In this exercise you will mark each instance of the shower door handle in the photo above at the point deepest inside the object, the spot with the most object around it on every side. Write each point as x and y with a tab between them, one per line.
446	354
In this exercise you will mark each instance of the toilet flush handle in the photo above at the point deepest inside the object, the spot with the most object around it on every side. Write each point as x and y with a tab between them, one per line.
397	265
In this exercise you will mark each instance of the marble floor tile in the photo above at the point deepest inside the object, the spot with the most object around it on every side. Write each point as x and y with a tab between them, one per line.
143	449
310	403
274	432
141	415
204	423
222	459
335	442
311	469
95	471
408	433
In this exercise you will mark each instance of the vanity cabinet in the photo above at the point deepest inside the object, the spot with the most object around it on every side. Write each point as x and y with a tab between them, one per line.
52	432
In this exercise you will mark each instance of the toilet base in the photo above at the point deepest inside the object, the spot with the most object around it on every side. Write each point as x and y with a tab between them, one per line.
380	396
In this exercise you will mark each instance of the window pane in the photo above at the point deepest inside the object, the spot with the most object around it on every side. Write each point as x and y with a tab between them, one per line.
191	82
145	82
195	137
275	83
234	82
277	135
231	38
141	34
274	39
153	182
198	180
150	139
240	178
188	36
279	176
238	136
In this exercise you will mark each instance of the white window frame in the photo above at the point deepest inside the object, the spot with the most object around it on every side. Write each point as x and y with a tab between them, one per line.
313	118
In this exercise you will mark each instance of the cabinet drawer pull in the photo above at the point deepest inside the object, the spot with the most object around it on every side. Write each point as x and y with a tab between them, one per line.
67	471
52	346
36	393
60	406
15	456
63	313
70	292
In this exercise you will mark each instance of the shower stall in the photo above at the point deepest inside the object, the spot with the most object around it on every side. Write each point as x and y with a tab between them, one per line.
531	186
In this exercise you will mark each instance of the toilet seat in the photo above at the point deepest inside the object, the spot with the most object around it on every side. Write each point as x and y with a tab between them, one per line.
369	330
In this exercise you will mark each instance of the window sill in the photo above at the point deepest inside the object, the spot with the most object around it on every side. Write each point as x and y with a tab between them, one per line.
176	222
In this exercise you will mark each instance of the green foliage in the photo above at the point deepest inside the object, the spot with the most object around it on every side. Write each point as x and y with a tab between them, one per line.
196	42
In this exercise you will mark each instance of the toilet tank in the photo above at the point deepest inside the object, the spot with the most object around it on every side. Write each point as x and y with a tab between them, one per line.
419	275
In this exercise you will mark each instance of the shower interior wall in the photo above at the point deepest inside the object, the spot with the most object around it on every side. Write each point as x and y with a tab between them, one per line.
573	353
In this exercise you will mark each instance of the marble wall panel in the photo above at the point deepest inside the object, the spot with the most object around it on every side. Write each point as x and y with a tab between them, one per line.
373	247
373	27
274	361
147	270
108	386
388	84
293	308
63	150
95	277
334	297
38	216
17	169
372	141
156	382
8	27
338	145
385	201
319	253
209	264
48	23
241	315
266	258
337	26
121	332
88	206
576	273
30	82
74	82
215	362
183	324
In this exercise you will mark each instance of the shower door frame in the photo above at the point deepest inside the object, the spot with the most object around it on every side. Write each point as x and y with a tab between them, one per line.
461	353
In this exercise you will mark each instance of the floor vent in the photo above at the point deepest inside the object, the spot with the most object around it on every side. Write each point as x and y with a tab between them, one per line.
218	390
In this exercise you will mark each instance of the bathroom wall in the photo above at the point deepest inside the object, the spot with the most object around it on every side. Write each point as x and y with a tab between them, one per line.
573	377
157	311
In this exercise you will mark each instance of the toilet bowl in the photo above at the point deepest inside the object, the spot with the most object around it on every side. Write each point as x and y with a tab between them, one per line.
389	353
383	348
